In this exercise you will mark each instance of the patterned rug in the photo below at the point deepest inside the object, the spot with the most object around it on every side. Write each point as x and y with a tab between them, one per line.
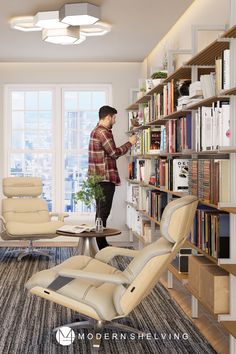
27	320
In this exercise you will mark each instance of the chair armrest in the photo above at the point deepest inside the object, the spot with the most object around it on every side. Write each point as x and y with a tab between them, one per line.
107	253
102	277
60	216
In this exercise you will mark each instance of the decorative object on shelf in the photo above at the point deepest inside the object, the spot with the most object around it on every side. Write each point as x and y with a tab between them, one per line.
158	77
70	25
90	192
183	88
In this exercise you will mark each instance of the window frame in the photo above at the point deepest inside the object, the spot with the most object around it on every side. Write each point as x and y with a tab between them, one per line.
58	146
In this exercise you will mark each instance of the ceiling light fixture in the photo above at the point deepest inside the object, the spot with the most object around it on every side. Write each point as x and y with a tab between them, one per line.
68	35
25	24
70	25
98	29
79	14
48	19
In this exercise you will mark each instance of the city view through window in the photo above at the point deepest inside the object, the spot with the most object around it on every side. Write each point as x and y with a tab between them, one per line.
51	146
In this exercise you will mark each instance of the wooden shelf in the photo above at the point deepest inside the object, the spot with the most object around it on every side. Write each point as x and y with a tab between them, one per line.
207	55
208	204
157	122
230	33
231	210
149	217
182	73
177	114
195	294
231	268
140	238
132	181
191	245
156	89
229	92
131	204
133	107
207	102
227	149
136	129
230	326
178	275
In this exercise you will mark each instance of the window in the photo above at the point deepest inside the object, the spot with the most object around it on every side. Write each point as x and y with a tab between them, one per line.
47	130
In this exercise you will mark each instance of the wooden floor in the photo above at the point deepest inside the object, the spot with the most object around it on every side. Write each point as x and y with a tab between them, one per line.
206	322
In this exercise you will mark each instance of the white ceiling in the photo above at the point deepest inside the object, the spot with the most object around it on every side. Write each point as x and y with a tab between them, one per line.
137	26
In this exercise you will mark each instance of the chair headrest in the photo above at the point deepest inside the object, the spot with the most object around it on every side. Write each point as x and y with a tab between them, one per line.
171	208
22	186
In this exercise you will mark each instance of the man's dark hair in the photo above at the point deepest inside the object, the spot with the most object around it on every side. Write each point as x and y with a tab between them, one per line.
105	111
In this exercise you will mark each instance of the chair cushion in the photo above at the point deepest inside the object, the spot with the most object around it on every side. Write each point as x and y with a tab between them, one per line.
96	294
25	210
33	229
22	186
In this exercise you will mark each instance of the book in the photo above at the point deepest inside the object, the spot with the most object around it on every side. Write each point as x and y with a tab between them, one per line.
180	175
155	141
76	229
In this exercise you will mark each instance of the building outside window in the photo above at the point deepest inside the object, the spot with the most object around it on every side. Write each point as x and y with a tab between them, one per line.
47	132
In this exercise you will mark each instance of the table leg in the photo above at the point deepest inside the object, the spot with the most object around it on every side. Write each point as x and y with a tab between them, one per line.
87	247
93	246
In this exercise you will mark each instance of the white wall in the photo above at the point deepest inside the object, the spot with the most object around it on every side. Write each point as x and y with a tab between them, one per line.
201	12
122	76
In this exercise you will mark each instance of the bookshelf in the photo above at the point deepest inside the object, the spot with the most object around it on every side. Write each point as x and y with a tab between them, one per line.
204	63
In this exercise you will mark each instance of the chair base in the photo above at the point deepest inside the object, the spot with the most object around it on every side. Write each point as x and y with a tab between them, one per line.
30	250
98	327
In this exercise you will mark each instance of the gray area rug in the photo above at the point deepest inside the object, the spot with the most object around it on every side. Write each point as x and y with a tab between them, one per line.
27	320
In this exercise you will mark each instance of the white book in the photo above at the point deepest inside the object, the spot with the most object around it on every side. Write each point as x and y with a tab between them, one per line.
206	129
226	69
180	175
76	229
215	128
225	133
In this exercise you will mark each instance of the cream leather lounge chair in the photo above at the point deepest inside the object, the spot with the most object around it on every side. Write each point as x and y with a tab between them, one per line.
25	216
102	293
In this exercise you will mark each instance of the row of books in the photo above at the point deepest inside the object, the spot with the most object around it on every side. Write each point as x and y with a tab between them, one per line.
133	219
133	193
152	202
170	174
148	142
212	127
211	226
209	179
176	135
222	71
211	232
219	80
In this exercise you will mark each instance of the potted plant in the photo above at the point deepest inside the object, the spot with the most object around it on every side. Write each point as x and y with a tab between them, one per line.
158	76
141	92
90	193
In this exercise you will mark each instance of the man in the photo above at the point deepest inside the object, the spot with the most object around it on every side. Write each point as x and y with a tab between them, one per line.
103	154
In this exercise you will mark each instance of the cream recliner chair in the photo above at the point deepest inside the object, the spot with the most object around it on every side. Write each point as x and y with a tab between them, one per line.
25	216
102	293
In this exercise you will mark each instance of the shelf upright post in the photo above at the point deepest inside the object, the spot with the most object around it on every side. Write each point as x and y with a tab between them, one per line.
232	259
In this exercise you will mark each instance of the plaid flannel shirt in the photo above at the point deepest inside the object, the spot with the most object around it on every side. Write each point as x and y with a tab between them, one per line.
103	154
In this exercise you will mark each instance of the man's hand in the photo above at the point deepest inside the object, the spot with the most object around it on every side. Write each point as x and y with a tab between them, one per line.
133	139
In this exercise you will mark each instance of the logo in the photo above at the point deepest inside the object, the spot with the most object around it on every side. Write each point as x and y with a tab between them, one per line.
65	336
